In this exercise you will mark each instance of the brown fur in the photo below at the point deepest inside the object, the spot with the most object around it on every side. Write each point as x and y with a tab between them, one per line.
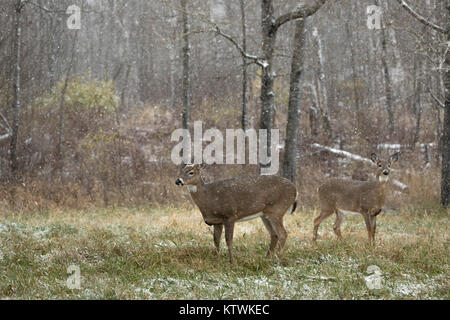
225	202
364	197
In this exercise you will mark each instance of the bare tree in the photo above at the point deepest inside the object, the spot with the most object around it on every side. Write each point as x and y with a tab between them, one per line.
445	71
445	180
186	67
16	102
322	93
417	103
294	108
270	26
59	151
244	67
356	90
387	77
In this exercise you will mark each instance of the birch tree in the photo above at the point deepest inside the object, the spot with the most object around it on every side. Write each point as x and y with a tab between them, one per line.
322	94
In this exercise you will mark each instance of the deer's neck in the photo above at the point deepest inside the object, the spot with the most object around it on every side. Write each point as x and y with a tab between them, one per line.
202	198
382	182
194	188
381	178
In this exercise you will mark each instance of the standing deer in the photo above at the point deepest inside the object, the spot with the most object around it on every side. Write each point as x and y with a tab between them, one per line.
225	202
341	196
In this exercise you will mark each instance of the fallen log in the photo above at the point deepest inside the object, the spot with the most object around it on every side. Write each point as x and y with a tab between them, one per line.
403	187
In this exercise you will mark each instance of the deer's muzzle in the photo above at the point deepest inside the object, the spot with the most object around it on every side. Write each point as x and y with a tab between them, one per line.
179	182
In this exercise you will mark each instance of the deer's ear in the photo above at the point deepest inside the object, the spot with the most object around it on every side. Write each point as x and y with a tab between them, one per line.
394	157
374	157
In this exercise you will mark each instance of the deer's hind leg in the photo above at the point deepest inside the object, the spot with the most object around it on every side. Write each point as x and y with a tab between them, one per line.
273	235
337	224
274	218
281	232
324	213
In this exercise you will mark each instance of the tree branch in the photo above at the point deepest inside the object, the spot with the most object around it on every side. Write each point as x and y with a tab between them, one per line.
6	127
49	11
216	29
439	102
261	62
5	136
299	13
420	18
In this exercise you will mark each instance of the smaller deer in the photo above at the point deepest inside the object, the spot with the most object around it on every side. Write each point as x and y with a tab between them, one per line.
341	196
225	202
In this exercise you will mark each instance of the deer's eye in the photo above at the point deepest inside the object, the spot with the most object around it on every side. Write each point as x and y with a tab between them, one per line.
380	165
191	173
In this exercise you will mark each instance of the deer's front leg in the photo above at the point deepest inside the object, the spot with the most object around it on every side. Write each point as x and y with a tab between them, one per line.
367	220
229	230
217	235
373	227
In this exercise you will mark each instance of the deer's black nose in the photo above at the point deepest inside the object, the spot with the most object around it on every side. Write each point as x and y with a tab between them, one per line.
179	182
385	172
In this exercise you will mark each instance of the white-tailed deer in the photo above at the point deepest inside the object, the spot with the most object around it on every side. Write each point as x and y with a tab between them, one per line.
365	197
225	202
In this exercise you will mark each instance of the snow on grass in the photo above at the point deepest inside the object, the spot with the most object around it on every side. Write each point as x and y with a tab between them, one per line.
411	286
170	255
210	287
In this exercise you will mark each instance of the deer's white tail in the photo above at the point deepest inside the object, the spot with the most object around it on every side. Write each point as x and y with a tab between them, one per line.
294	205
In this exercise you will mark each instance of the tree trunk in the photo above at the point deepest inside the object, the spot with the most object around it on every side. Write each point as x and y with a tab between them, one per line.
387	78
417	101
445	177
16	102
186	68
173	66
313	121
292	128
244	68
356	90
322	95
267	94
270	26
59	152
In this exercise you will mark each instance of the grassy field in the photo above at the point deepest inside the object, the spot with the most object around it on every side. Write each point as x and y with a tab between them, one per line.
168	253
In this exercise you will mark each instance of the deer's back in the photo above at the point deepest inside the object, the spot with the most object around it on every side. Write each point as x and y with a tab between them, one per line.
347	194
249	194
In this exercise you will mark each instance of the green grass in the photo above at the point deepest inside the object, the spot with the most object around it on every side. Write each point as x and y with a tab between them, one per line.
168	253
